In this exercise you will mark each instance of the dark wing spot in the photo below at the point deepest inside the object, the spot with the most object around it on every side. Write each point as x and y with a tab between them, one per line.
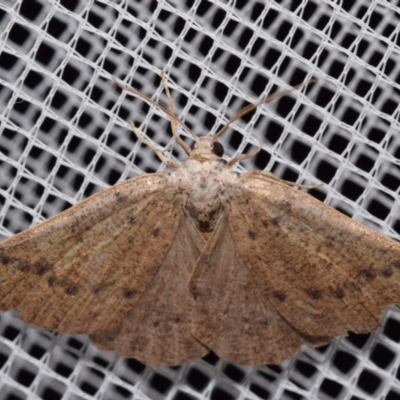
71	290
337	293
252	234
132	220
41	268
280	296
4	259
386	272
156	232
128	293
51	280
118	197
275	221
176	319
314	294
367	274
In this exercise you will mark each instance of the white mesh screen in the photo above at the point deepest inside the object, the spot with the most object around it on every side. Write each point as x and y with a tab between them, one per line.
65	135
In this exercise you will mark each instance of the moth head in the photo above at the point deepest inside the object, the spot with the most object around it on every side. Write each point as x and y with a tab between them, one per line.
206	148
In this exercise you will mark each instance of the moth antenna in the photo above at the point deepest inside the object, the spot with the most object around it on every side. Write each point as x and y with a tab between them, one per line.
249	108
174	123
169	111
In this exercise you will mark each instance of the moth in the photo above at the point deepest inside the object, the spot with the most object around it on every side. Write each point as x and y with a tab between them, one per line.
165	267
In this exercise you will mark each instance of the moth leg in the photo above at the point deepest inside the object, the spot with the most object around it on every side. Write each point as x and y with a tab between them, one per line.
269	175
159	153
244	156
174	123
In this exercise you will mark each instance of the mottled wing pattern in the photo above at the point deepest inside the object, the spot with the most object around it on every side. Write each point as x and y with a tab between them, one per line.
83	270
283	269
157	331
324	273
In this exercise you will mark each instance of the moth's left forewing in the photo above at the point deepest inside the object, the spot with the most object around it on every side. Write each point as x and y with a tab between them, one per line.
157	329
82	270
323	272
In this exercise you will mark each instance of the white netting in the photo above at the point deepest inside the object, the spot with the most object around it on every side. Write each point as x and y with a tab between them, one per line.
65	135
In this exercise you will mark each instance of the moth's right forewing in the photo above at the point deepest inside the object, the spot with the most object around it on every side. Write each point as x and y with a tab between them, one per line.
324	273
82	270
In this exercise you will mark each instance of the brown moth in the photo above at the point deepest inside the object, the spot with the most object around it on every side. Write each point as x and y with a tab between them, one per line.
168	266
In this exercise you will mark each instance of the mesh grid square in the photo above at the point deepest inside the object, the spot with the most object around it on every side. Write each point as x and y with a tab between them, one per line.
65	135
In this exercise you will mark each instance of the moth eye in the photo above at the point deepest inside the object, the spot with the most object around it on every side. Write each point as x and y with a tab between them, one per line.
217	149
